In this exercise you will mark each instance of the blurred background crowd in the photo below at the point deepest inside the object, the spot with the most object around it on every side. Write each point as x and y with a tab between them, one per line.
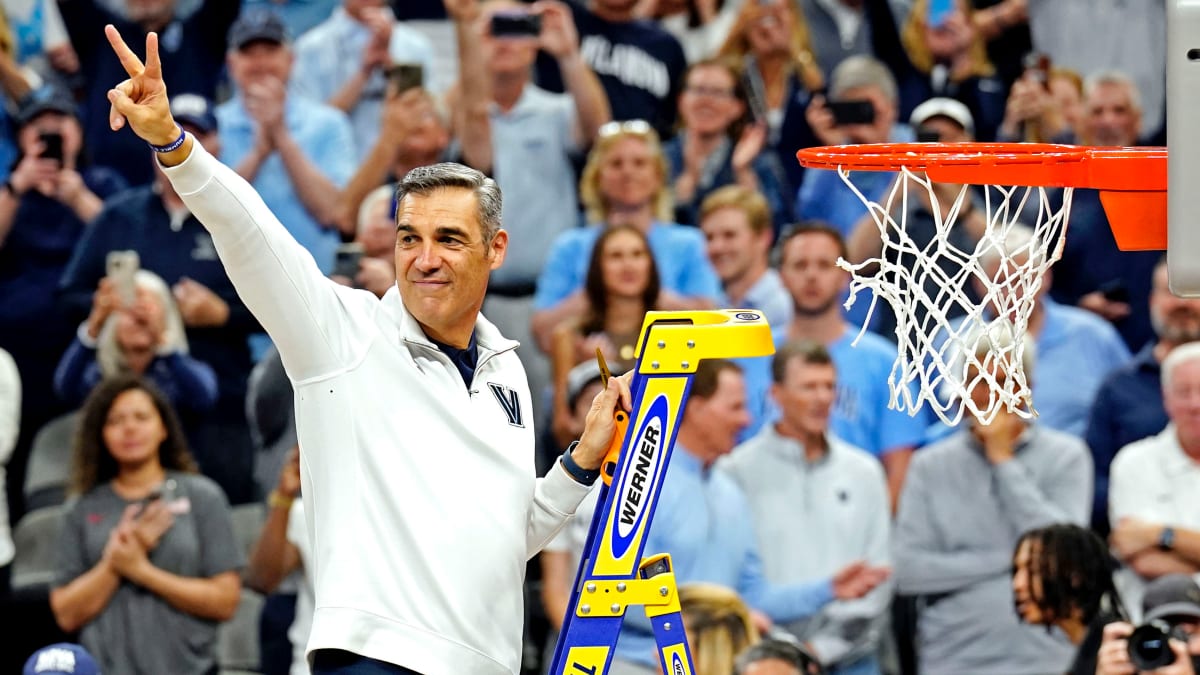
646	151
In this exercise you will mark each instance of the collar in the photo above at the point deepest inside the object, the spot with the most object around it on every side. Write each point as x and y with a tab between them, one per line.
683	460
486	336
793	450
1176	461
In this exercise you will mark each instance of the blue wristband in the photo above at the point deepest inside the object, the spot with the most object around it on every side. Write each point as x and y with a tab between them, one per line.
577	473
174	145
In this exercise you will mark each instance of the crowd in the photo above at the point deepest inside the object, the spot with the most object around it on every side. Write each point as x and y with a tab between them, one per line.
646	154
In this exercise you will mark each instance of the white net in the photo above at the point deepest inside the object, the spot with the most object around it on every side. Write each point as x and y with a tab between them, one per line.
962	294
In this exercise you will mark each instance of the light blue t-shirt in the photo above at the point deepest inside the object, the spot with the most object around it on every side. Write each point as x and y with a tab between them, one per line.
679	252
324	133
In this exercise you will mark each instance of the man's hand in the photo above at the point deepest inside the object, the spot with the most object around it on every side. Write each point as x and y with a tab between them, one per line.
289	475
559	37
1113	657
462	10
198	305
1109	309
375	275
857	579
264	100
749	146
1000	437
820	120
1183	661
152	523
104	302
35	173
1131	536
599	426
141	101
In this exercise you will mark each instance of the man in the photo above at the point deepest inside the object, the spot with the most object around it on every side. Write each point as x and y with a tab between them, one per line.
966	500
639	63
1174	599
818	504
292	149
737	226
807	265
776	656
1129	404
1093	273
1155	482
391	471
526	138
704	521
343	62
154	221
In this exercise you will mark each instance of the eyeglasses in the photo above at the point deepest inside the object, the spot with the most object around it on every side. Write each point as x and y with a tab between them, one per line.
634	127
711	92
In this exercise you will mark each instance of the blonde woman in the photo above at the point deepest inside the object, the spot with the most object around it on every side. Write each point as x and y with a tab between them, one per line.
144	338
719	626
951	60
624	183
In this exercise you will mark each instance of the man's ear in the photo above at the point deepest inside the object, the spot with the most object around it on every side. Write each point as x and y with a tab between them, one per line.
498	249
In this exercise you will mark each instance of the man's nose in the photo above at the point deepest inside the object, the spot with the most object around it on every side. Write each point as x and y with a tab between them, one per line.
428	259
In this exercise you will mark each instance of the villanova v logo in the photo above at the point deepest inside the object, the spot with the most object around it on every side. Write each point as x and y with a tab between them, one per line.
509	403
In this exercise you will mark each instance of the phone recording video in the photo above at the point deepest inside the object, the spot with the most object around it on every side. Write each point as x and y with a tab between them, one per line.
852	111
52	146
121	267
346	260
1037	67
516	25
405	76
928	135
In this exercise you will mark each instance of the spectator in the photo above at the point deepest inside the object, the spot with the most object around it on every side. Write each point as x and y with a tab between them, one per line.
624	182
526	138
193	49
861	414
147	561
344	61
145	338
298	15
415	132
716	147
1093	273
777	655
1173	600
1129	404
737	226
823	196
701	27
965	501
42	44
1004	26
639	63
622	285
951	57
45	206
16	87
1043	108
283	548
153	221
771	43
818	505
61	659
718	626
10	428
702	518
291	149
376	240
1063	577
1154	485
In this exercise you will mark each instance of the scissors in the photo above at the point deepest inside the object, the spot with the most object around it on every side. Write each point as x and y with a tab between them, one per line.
608	468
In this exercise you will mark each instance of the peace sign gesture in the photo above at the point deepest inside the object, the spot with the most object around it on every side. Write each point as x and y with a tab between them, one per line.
141	101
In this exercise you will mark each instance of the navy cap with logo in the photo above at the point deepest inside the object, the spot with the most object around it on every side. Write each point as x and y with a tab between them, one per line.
1173	595
46	99
61	659
194	110
258	25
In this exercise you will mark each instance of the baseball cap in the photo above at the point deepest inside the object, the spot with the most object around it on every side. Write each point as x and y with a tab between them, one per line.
1171	595
581	376
195	110
949	108
258	25
61	659
45	99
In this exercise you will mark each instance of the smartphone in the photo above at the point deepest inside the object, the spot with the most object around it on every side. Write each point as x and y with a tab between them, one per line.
346	260
853	111
122	267
405	76
939	11
53	144
1037	67
928	135
1115	291
516	25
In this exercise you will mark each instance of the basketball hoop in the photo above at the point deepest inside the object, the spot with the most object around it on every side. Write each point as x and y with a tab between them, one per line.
942	354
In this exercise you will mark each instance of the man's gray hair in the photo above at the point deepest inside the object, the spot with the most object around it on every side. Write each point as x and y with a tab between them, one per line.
425	180
1114	77
863	71
1177	357
770	648
1019	239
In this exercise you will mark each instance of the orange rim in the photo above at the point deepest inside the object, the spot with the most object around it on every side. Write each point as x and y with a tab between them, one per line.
1132	181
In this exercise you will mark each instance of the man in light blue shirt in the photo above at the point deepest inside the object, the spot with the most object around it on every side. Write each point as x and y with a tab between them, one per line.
703	520
293	150
343	61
